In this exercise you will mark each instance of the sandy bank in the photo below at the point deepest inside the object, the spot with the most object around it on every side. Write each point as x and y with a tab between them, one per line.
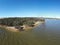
9	28
25	27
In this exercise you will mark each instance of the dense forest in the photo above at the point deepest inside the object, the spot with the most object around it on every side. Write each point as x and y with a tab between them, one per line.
19	21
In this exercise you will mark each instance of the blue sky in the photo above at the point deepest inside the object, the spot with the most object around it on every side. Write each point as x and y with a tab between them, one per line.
29	8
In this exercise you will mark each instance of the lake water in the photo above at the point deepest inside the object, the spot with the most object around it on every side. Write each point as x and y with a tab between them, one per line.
47	33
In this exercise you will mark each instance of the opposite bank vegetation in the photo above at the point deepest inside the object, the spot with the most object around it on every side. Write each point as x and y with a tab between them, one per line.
20	24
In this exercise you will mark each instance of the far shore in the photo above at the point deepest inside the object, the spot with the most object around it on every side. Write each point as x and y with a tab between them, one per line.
13	29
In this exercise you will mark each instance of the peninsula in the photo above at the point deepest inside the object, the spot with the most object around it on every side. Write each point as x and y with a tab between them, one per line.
19	23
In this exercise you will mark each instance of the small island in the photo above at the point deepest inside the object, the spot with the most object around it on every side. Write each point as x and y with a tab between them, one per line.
19	23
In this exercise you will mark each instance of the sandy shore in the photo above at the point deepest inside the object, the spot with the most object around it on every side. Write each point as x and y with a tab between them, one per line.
16	30
9	28
12	29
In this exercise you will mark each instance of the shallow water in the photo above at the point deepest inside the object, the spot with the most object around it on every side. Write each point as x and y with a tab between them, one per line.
47	33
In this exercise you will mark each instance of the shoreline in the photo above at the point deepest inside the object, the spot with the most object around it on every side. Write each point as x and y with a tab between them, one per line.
13	29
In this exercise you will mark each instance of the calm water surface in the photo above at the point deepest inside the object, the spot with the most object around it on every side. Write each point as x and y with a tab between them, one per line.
47	33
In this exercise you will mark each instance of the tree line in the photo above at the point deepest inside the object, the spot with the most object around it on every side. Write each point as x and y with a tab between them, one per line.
19	21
